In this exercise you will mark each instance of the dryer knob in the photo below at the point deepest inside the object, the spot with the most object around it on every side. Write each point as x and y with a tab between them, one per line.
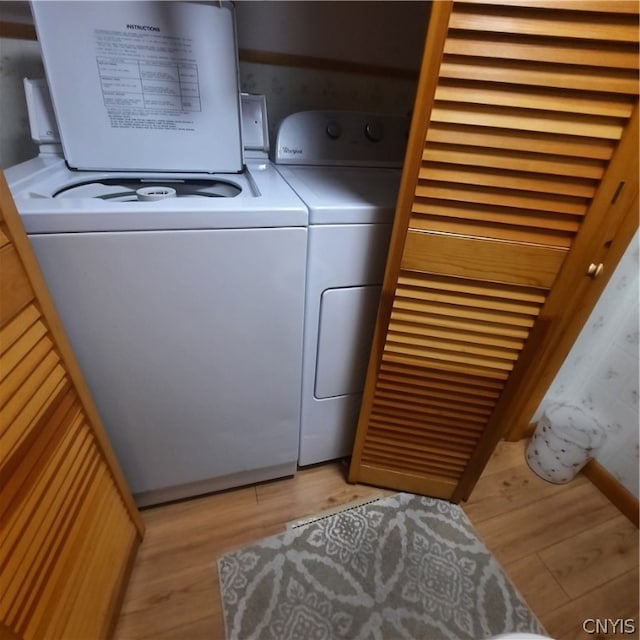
334	129
374	131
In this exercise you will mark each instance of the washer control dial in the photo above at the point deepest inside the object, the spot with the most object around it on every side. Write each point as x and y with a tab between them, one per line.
334	129
374	131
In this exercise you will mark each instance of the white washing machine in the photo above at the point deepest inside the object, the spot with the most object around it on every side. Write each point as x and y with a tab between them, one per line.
346	168
181	289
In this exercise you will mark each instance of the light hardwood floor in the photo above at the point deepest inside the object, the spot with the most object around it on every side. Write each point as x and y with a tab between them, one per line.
566	548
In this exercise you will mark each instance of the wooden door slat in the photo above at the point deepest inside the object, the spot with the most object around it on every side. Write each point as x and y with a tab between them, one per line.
630	7
513	161
505	262
583	53
525	120
583	102
547	24
450	334
416	290
16	327
493	231
498	215
472	287
26	366
20	348
459	324
487	137
15	288
469	194
506	179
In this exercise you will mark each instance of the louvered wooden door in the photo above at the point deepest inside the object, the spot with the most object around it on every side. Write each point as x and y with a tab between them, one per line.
69	528
521	166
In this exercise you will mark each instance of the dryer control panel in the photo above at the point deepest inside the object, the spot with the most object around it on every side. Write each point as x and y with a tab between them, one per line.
342	138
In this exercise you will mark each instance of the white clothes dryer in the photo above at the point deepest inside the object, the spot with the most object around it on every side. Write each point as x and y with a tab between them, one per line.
346	168
181	290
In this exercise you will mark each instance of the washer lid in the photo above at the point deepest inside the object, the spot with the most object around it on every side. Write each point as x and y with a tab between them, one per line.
143	86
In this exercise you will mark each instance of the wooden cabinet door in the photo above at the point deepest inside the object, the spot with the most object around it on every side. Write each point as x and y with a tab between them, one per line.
69	528
519	188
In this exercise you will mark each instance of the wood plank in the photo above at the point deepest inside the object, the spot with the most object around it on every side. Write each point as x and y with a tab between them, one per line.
524	531
4	238
483	385
472	287
446	366
516	140
486	260
615	600
24	418
18	476
29	336
39	356
468	334
500	198
15	288
545	23
518	180
466	294
484	229
461	439
431	354
383	414
24	528
536	584
507	488
482	319
440	398
424	341
31	399
436	486
486	328
57	592
424	208
583	103
513	160
421	451
12	331
441	411
48	528
594	557
508	118
598	6
541	50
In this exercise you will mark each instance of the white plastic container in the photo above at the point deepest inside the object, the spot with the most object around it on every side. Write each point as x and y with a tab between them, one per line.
565	439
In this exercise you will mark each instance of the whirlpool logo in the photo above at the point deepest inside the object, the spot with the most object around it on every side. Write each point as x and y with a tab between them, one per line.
292	151
609	626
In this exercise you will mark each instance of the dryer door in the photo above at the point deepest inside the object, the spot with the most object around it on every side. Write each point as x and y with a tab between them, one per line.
347	320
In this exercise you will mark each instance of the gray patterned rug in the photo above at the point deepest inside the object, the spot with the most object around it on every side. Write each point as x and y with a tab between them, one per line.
403	567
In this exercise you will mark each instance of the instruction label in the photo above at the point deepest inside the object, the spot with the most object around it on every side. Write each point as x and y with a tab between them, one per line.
148	80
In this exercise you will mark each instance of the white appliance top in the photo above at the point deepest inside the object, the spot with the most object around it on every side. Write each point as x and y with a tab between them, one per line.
143	86
345	195
51	198
345	165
